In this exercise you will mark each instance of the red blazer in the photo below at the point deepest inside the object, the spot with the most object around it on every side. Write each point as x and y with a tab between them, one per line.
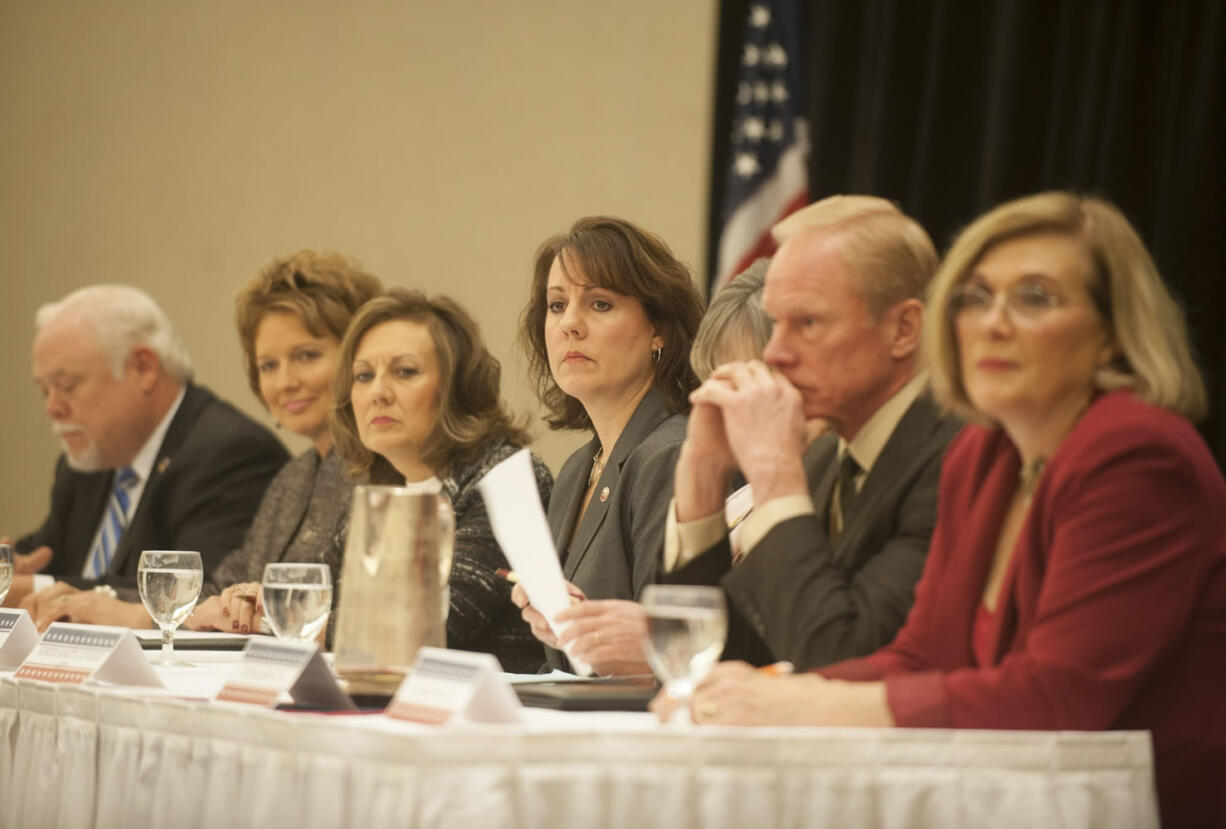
1113	614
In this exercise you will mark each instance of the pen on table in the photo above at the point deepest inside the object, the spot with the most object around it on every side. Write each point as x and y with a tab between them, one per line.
509	575
777	669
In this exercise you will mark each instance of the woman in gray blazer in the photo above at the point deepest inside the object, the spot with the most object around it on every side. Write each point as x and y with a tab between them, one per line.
608	329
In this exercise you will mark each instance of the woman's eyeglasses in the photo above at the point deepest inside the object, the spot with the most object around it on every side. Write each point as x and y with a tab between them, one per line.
1024	302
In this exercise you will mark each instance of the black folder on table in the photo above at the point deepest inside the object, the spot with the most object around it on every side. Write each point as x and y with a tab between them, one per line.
631	693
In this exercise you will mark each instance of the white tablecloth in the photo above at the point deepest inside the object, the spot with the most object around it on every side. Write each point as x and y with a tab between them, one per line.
80	756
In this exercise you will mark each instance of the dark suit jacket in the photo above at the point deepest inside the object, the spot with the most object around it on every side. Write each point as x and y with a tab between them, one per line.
800	598
203	491
1112	613
617	547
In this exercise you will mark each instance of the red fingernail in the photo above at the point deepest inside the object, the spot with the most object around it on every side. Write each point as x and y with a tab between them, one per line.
244	630
225	611
234	625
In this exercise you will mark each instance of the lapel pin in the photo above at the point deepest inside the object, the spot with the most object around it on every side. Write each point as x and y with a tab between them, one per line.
604	495
163	464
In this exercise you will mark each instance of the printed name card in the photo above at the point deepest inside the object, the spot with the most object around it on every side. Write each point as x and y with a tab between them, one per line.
271	667
444	684
76	653
18	636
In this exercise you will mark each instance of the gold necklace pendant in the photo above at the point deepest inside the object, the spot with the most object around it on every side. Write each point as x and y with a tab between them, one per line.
597	468
1028	476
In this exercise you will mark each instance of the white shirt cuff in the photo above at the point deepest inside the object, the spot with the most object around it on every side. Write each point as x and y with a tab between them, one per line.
684	541
765	516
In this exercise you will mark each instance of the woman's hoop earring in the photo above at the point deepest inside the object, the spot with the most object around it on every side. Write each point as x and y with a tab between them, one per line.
655	355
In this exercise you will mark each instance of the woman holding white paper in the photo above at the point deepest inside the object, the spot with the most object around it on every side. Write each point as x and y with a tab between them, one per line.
608	330
418	405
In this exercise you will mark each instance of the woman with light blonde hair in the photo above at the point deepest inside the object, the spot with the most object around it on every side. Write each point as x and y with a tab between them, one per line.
1077	573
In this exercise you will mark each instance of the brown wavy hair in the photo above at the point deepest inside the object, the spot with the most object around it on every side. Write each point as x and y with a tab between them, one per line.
614	254
471	412
323	289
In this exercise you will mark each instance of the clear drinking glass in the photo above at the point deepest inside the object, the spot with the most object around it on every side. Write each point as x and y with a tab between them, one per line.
297	599
6	570
686	629
169	582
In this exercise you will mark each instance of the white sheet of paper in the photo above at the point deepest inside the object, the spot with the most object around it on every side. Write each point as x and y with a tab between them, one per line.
519	524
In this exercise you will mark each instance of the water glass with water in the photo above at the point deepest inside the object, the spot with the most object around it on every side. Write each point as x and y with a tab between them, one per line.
686	629
169	582
297	599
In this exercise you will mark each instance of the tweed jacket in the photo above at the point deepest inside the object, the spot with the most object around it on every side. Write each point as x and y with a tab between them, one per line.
481	616
298	520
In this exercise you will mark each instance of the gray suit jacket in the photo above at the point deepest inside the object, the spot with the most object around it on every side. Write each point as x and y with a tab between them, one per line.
299	517
617	547
800	598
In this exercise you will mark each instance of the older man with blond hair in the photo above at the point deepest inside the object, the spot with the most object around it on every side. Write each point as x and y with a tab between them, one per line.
830	553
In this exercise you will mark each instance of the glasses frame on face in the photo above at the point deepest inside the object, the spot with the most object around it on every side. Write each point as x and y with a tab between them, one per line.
1026	301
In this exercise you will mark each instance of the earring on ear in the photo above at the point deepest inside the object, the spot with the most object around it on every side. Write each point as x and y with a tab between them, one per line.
655	355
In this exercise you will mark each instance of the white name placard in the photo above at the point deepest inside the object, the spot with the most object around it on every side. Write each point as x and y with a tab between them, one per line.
18	636
271	667
76	653
446	685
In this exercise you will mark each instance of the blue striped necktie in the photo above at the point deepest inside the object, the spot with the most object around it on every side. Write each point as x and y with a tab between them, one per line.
113	523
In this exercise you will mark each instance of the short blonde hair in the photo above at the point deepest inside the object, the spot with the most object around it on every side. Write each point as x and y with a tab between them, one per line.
1139	313
735	311
323	289
891	255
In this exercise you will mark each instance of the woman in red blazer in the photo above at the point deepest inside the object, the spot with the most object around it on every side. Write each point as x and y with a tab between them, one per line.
1077	574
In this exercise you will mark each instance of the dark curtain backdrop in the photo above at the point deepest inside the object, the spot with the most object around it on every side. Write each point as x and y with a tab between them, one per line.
950	108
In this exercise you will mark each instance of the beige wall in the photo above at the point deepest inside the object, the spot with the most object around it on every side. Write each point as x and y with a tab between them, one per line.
178	146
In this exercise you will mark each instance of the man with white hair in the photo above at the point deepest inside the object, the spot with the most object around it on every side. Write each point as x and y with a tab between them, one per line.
151	460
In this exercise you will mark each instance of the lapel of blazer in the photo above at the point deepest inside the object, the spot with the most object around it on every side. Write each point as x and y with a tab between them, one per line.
570	487
651	412
822	471
138	532
904	449
995	494
296	509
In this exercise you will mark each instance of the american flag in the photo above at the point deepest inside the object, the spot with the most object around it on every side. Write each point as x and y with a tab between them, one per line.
767	176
